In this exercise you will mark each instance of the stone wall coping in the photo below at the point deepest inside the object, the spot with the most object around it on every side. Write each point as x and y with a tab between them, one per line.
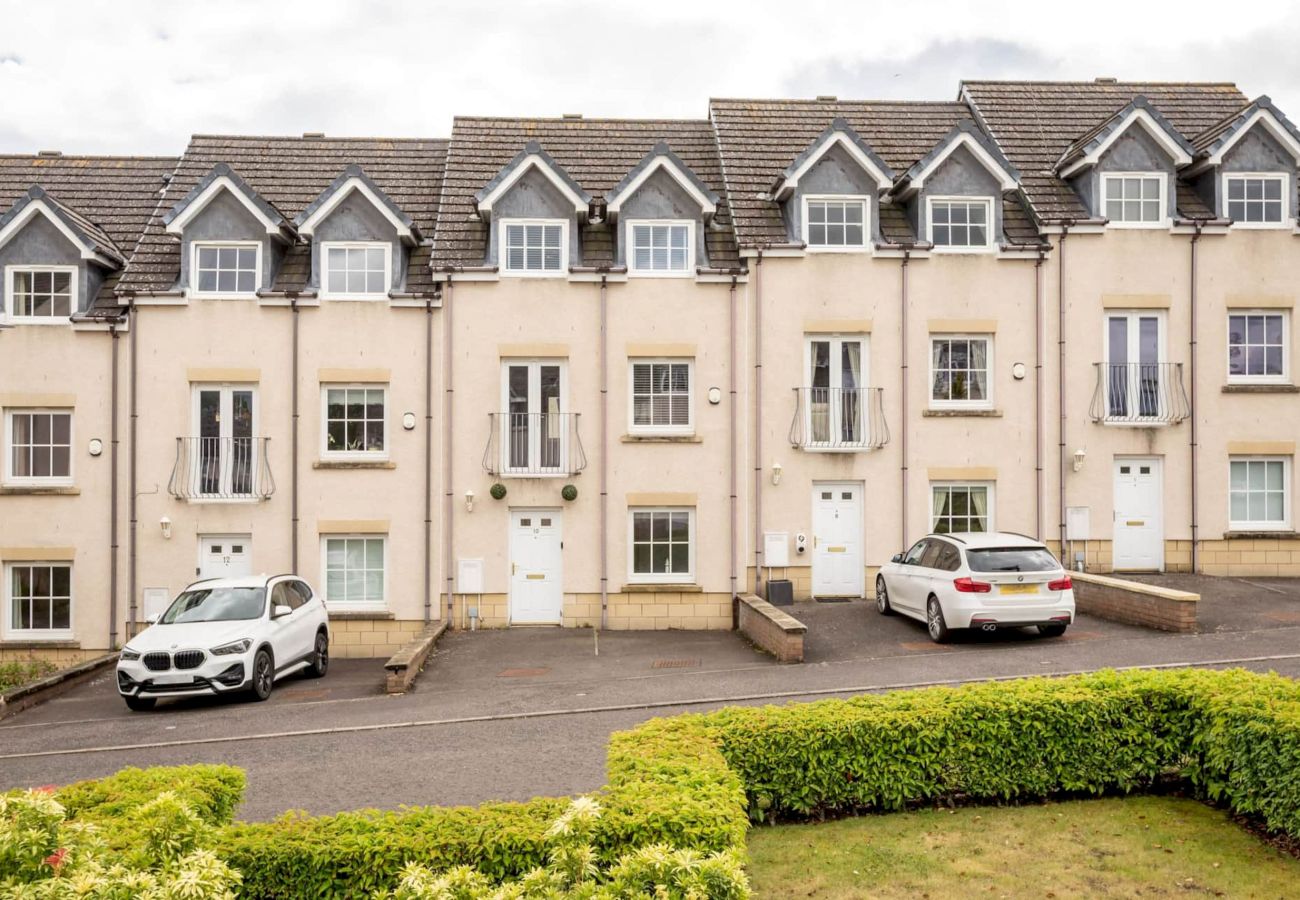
404	665
662	589
361	615
1136	587
783	620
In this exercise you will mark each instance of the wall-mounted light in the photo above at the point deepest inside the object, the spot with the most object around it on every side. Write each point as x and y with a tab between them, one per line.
1079	456
469	501
95	447
166	525
408	421
715	395
776	473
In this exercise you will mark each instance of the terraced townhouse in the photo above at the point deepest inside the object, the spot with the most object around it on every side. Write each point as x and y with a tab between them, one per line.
610	373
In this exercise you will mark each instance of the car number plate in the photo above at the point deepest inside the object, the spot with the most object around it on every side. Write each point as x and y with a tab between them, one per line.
1020	589
173	679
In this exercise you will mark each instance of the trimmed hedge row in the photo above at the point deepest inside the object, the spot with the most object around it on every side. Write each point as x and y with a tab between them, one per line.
212	792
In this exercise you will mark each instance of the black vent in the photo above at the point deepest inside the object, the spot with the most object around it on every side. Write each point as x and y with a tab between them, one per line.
157	662
189	659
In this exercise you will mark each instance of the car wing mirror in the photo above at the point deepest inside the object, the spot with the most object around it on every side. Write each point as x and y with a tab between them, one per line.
152	620
280	612
896	558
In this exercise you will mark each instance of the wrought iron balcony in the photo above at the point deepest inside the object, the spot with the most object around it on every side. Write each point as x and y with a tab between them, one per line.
1139	394
533	444
221	468
844	420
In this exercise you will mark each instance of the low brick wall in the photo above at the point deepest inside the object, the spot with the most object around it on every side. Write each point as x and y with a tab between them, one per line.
406	664
772	629
29	695
369	636
1134	604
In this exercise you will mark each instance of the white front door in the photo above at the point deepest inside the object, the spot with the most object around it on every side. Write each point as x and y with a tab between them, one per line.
837	540
1138	541
225	555
536	588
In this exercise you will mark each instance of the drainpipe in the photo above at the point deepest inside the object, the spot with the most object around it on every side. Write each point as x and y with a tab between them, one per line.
447	470
902	301
758	423
1060	388
293	485
112	497
1196	553
428	460
1038	395
134	412
604	451
731	457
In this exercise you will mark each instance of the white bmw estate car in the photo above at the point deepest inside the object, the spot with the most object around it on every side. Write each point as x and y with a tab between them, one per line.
226	635
986	581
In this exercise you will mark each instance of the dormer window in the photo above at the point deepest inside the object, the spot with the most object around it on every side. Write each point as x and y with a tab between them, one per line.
1134	199
960	223
41	294
1255	199
835	223
356	270
228	269
662	248
534	246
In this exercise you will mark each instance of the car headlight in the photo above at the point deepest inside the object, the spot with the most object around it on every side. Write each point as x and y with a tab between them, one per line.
239	646
129	654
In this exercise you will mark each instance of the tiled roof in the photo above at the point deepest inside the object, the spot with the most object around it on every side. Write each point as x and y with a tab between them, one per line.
114	196
290	173
1092	138
1035	122
758	139
596	153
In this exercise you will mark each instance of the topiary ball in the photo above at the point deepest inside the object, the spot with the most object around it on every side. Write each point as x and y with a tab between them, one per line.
569	492
497	491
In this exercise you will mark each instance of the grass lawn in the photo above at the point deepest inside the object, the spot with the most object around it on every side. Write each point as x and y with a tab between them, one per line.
16	673
1139	846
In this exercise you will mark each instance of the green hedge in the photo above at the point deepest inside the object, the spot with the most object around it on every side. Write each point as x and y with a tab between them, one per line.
213	792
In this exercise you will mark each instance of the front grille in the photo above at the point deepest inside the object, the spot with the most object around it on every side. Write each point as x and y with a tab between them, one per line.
188	659
157	662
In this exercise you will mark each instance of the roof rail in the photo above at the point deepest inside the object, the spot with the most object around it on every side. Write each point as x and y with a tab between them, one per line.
1021	534
951	537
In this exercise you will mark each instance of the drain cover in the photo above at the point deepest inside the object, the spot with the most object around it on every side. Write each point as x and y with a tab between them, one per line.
521	673
675	664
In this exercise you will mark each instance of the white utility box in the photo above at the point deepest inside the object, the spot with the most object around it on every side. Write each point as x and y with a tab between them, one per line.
469	576
1078	523
776	549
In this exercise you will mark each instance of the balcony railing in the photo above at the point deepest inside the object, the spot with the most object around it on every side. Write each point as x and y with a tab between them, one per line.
1139	394
843	420
221	468
536	444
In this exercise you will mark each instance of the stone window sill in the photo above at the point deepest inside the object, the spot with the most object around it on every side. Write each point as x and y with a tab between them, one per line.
662	439
354	464
359	615
38	491
962	413
656	588
1261	389
1260	535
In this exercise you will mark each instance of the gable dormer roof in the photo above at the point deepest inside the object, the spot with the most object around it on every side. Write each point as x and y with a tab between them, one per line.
1088	149
94	244
1214	142
354	179
661	157
964	134
532	157
223	178
838	133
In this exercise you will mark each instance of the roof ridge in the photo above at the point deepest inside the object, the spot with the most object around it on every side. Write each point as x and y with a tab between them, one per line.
576	120
68	156
1095	83
317	139
813	101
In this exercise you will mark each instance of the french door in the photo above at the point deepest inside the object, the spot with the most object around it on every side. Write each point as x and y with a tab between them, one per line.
1134	346
225	422
534	436
836	370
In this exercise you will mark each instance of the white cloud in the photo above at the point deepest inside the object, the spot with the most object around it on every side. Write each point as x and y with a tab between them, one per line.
141	76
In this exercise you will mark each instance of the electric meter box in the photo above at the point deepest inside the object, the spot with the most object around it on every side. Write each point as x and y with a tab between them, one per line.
1078	523
776	549
469	576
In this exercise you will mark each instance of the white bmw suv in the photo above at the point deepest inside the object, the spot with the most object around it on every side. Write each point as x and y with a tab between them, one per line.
977	580
225	635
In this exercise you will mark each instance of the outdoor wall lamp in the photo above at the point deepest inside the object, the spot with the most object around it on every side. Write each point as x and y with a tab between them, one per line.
469	501
776	473
1079	456
166	525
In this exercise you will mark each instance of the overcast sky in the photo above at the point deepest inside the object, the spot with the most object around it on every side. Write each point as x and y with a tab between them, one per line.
139	76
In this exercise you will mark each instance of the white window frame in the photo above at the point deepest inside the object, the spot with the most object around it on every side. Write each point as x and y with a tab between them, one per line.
8	312
990	223
1162	197
990	488
1287	221
635	577
632	426
533	467
357	455
218	295
324	572
34	634
987	402
630	254
503	255
31	480
1247	525
863	199
1285	377
327	246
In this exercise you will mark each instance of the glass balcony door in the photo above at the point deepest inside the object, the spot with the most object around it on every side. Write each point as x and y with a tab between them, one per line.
1134	346
225	421
534	435
836	372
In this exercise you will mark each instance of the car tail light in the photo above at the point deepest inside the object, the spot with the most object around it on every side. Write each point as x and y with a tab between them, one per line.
1061	584
967	586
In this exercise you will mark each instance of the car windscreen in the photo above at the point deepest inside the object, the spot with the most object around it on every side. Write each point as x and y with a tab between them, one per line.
218	604
1011	559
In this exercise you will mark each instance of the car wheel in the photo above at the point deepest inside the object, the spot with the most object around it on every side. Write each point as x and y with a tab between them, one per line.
1051	630
882	597
263	675
320	661
934	622
140	704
